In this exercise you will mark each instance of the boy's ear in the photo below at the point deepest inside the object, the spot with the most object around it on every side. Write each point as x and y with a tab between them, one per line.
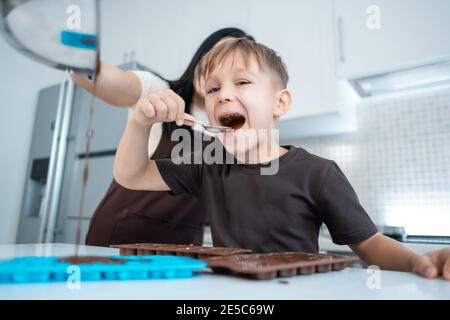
284	99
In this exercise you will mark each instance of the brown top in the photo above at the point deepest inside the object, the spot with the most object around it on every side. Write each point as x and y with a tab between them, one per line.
130	216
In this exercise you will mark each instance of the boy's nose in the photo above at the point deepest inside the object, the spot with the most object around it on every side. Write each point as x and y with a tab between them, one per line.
224	100
225	95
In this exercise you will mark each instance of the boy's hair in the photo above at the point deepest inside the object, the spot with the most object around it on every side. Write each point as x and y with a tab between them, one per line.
264	56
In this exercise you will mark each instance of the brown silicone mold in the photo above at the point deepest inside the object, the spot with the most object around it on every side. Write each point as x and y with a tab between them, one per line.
280	264
199	252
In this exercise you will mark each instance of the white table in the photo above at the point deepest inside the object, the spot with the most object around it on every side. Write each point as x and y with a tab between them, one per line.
350	283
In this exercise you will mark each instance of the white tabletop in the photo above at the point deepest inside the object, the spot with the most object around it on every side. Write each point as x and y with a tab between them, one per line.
351	283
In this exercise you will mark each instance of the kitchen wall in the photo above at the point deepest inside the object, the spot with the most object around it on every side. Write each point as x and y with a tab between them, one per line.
398	160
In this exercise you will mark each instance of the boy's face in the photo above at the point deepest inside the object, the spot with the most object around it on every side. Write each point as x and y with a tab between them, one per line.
243	97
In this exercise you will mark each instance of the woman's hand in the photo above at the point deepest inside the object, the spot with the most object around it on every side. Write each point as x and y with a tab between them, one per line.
432	264
160	106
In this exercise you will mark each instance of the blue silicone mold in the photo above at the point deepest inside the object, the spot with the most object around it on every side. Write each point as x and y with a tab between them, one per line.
49	269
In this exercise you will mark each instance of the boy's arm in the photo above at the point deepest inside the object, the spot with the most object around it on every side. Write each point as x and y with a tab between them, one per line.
132	168
115	86
387	253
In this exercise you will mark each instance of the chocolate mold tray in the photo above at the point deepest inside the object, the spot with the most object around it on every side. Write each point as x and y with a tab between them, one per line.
54	269
267	266
198	252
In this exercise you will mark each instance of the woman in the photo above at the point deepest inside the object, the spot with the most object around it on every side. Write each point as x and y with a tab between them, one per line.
129	216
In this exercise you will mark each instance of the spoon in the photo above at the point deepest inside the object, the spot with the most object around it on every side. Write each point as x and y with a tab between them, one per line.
213	129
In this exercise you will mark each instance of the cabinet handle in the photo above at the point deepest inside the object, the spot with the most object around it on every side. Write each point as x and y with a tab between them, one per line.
340	25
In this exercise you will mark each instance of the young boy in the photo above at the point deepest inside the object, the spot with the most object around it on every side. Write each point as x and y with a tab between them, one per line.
246	90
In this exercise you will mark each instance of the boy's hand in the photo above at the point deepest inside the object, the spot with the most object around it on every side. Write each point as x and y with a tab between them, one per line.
432	264
159	106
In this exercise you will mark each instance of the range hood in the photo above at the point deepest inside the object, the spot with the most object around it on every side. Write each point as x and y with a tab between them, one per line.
425	76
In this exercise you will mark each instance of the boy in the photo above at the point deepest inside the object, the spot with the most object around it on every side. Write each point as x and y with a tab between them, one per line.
246	90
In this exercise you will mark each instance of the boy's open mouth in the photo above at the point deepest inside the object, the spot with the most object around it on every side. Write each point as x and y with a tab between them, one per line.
233	120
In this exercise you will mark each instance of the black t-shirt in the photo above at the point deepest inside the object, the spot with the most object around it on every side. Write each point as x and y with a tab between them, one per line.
270	213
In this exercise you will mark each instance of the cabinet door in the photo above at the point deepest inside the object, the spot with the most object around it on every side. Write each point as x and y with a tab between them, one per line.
410	32
301	32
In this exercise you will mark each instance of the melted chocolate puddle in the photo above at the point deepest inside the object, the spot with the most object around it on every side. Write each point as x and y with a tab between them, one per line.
90	259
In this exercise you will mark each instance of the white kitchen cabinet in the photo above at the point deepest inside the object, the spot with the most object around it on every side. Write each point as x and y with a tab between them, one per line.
298	31
410	33
170	31
302	33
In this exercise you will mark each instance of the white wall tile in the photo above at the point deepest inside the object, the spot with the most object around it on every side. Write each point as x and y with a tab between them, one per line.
399	159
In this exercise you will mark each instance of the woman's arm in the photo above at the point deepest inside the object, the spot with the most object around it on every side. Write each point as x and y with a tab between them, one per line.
114	86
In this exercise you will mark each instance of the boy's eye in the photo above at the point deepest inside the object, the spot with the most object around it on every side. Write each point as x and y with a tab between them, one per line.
213	89
242	82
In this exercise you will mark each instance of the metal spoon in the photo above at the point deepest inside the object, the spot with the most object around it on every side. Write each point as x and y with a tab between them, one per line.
213	129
